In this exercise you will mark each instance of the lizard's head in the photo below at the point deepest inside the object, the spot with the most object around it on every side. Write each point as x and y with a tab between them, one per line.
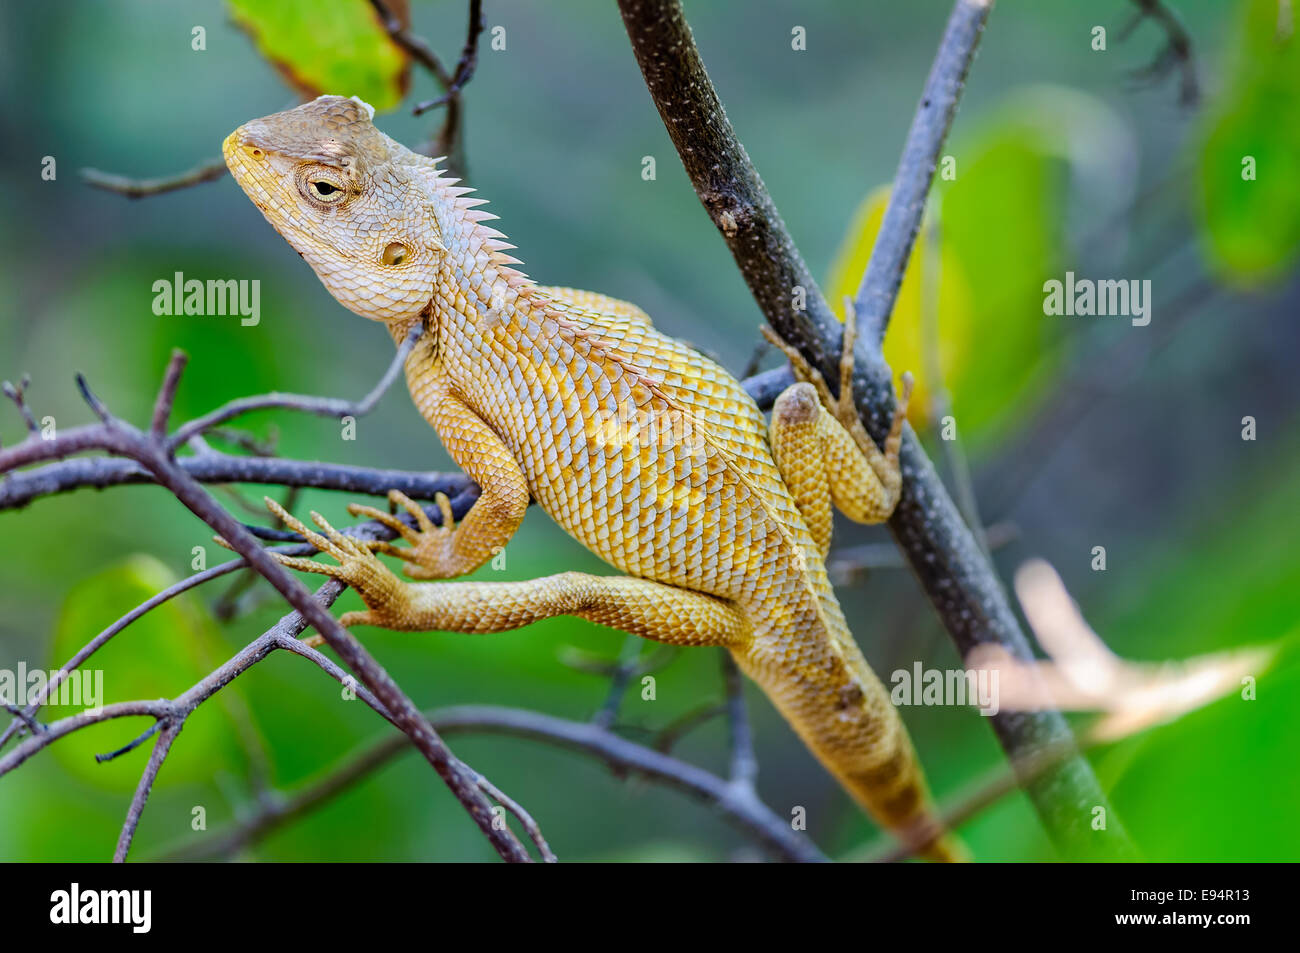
349	199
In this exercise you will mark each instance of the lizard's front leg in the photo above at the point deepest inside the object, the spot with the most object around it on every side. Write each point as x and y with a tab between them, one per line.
640	606
441	552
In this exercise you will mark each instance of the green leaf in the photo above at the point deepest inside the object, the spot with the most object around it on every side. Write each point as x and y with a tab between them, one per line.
1250	158
904	345
1226	773
1046	152
336	48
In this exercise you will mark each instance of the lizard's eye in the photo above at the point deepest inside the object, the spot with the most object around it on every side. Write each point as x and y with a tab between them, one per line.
321	186
394	253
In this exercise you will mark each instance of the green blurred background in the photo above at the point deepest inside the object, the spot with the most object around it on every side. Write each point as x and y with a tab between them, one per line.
1081	432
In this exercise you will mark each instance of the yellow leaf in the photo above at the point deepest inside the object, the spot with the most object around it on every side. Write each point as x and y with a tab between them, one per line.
906	340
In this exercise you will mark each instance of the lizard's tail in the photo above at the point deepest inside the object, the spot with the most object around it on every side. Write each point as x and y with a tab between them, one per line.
847	720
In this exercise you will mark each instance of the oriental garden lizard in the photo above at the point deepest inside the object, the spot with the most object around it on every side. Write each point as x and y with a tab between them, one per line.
720	521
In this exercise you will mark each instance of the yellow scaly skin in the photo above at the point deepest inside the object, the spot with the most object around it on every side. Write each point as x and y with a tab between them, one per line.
649	454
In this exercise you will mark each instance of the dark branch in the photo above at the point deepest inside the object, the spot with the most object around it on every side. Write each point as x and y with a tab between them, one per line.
466	65
121	439
624	757
219	468
212	466
1177	51
955	573
934	114
726	181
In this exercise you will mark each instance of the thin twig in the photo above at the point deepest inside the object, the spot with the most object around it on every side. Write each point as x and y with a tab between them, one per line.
140	188
117	437
934	115
1177	50
624	757
449	143
322	406
466	65
622	674
18	396
131	745
159	754
416	46
524	818
744	764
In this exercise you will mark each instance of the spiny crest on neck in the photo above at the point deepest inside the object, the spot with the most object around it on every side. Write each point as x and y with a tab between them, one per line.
466	233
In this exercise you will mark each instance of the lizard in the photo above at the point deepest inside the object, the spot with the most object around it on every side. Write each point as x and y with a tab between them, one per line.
649	454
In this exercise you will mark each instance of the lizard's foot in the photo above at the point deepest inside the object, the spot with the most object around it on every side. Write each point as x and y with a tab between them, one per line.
385	595
843	407
429	555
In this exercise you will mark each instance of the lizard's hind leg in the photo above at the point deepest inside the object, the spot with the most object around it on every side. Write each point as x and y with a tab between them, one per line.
640	606
823	451
821	463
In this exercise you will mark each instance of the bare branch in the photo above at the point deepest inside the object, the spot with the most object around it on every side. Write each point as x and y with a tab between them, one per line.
449	142
219	468
524	818
955	573
140	188
624	757
465	67
162	408
321	406
17	395
744	765
159	754
212	466
889	256
1177	51
119	438
621	674
725	180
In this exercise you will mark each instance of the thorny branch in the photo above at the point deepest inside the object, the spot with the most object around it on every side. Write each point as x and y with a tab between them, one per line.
954	571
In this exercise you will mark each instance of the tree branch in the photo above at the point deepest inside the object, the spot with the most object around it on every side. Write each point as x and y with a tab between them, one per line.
1177	50
212	466
154	454
141	188
934	114
957	577
624	757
